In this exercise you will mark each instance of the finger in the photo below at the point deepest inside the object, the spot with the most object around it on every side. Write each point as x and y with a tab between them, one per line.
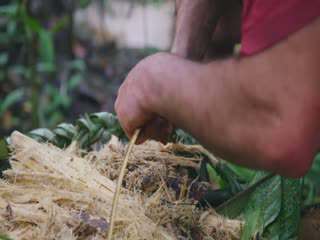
158	129
131	116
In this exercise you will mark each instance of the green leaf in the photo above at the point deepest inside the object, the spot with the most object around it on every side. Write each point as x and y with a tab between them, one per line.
235	206
78	64
4	156
214	177
4	237
75	81
245	174
60	24
229	177
106	119
11	28
10	99
65	130
3	58
45	67
42	135
86	123
46	47
263	207
183	137
4	151
83	3
312	182
31	23
9	10
287	224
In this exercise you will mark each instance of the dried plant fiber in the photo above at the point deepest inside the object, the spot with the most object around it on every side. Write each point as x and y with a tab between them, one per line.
51	193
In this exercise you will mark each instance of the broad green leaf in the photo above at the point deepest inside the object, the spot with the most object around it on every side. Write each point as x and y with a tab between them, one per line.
263	207
235	207
287	224
245	174
291	208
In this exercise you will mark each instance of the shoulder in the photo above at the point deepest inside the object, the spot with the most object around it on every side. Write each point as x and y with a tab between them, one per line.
265	23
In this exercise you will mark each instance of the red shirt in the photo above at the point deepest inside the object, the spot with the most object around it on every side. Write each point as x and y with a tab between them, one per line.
266	22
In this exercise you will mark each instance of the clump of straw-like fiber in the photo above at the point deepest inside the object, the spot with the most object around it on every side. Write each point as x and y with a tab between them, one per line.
51	193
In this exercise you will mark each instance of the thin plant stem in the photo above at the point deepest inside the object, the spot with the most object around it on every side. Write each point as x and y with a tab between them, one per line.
119	183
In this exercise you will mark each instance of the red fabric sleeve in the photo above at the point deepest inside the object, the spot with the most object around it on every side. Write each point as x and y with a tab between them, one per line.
266	22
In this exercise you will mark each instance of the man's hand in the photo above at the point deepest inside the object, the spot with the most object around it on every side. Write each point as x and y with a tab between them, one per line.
134	102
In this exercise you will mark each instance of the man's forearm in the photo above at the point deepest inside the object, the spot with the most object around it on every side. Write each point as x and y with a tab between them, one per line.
195	23
262	111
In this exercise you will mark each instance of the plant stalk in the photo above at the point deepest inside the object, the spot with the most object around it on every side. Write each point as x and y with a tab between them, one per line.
119	183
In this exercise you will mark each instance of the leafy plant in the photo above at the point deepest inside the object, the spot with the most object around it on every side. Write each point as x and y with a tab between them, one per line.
28	67
91	129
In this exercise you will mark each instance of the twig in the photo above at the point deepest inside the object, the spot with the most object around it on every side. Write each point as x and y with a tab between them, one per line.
119	183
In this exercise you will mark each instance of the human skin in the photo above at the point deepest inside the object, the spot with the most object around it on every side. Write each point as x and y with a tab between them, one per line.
261	111
206	29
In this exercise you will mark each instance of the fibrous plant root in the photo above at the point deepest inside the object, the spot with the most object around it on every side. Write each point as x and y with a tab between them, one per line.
51	193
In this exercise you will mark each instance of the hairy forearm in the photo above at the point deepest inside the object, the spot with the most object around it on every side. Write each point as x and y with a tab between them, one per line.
195	23
262	111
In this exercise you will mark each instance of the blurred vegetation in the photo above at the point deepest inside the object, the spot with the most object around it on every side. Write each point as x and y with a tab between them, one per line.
39	70
30	60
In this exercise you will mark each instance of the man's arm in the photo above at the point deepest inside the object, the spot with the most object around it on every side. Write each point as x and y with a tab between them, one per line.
206	28
262	111
195	23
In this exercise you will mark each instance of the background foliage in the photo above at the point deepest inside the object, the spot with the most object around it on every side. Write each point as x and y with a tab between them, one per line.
30	61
